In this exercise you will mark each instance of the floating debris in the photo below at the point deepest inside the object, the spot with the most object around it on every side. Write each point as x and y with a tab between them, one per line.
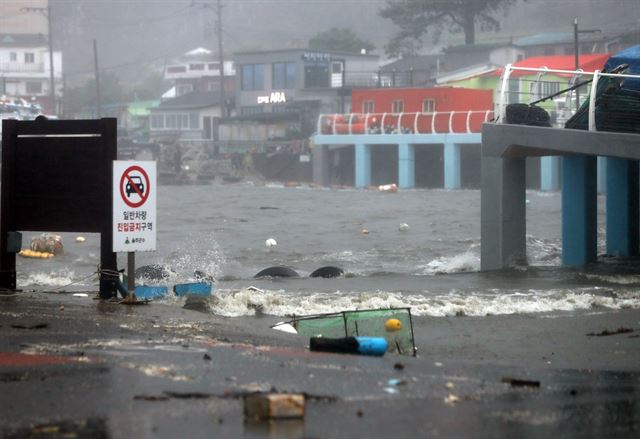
516	382
262	406
606	332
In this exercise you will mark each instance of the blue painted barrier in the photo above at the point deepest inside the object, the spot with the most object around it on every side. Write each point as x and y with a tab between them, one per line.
195	288
150	292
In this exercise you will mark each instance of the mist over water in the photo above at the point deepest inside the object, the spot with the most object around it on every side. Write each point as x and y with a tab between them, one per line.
433	266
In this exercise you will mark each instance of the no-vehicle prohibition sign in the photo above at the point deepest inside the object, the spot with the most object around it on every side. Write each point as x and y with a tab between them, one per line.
134	206
134	184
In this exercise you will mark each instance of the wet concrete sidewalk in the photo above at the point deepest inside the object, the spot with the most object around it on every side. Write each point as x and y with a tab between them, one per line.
93	369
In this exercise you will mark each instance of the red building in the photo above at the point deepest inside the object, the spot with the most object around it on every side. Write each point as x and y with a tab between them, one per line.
415	110
420	100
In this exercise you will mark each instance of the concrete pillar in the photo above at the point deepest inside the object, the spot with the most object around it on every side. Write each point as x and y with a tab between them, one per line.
622	207
363	165
406	166
549	173
579	210
503	213
451	166
602	175
320	165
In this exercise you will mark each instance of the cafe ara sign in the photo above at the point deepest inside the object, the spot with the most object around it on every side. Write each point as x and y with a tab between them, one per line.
276	97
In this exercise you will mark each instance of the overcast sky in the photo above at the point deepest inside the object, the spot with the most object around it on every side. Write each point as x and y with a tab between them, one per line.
135	34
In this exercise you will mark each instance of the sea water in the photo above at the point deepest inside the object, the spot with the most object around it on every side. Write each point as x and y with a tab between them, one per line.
418	248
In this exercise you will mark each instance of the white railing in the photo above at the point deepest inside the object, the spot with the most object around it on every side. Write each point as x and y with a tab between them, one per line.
437	122
563	108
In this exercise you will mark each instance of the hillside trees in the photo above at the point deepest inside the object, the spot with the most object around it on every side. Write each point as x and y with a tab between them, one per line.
417	17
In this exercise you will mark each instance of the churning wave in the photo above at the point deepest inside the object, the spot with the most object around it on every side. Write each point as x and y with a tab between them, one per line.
234	303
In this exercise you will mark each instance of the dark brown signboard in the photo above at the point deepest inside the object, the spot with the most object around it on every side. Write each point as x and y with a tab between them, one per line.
56	176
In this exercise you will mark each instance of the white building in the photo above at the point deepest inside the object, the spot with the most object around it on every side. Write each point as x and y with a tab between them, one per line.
25	69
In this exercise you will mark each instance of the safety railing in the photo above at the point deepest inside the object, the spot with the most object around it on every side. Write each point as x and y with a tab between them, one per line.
560	95
437	122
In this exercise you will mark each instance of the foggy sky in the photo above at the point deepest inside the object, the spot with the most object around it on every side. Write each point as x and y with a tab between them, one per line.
134	35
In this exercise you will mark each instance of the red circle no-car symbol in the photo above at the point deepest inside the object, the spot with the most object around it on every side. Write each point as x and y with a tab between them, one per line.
134	185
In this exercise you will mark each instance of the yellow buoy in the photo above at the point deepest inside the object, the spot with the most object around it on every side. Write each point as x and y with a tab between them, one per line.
393	325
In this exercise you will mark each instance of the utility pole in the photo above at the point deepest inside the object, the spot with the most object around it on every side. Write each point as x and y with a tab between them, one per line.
576	50
51	77
97	73
223	99
47	13
218	25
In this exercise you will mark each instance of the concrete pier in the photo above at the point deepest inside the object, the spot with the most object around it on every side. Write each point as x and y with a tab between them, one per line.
549	173
452	166
622	207
363	165
579	210
406	166
406	144
503	217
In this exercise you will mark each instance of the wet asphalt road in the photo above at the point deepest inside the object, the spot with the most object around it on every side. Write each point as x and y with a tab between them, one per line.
71	364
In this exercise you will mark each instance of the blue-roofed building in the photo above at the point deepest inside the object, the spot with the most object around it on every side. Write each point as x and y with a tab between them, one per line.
563	43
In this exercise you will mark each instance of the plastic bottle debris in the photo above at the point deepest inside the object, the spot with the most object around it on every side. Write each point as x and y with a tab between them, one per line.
262	406
364	231
376	346
403	227
270	242
80	239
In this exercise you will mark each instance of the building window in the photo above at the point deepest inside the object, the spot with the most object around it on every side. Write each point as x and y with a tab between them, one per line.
251	109
194	121
282	109
183	89
397	106
213	66
170	121
29	58
213	86
13	56
176	69
428	105
284	75
196	66
34	87
177	121
253	77
316	75
157	121
368	107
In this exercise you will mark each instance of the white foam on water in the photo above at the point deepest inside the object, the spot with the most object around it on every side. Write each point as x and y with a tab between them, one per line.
234	303
543	252
54	279
619	279
465	262
183	263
